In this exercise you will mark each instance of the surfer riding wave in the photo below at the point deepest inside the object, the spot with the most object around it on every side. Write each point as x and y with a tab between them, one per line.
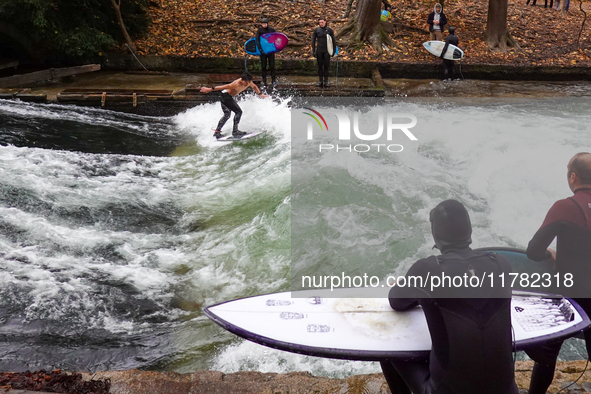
230	105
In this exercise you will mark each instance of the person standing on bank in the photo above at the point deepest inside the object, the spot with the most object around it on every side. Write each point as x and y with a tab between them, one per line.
270	58
448	65
569	221
320	50
437	22
472	349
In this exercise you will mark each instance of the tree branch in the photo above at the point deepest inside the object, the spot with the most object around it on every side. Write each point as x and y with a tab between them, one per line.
128	40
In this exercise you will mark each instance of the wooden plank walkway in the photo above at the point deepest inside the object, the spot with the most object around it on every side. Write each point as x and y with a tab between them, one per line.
46	75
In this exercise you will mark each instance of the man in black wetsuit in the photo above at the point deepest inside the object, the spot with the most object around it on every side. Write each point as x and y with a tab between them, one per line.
470	327
265	28
320	51
448	65
569	221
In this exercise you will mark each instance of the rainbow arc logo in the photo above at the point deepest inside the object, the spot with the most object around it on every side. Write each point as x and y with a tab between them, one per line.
316	119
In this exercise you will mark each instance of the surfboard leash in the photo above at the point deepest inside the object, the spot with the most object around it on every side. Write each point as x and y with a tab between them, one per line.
138	60
337	74
579	378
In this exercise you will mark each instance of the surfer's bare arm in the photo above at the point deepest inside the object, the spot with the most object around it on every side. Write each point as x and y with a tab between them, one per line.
206	89
257	90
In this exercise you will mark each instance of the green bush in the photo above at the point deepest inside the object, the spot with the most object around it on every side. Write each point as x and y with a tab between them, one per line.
74	29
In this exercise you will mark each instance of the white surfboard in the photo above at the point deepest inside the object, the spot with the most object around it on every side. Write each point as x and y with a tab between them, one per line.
332	50
368	329
230	138
452	52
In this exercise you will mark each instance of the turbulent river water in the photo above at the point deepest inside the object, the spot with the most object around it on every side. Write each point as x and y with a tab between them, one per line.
116	229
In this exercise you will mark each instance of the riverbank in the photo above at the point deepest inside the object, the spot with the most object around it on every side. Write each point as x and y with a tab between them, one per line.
209	382
250	382
167	93
193	29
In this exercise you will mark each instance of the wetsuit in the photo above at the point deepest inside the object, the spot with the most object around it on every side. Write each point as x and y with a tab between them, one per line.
448	65
265	57
568	220
229	105
471	336
321	50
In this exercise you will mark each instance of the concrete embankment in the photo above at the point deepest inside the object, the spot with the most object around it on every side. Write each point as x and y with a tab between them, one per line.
213	382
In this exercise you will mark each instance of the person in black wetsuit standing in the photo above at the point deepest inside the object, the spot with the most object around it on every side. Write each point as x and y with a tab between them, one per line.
470	327
270	58
320	50
569	221
448	65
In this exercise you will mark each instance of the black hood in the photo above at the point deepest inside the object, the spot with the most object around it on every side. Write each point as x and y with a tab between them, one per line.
450	225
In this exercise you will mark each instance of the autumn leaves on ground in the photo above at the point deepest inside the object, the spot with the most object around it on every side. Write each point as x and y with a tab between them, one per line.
196	28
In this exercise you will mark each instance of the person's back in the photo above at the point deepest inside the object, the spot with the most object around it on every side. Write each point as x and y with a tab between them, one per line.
470	326
472	342
568	220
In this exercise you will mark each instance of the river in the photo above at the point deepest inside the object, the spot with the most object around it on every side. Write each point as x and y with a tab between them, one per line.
116	229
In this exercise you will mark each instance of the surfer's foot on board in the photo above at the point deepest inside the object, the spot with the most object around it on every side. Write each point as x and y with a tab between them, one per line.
238	134
218	134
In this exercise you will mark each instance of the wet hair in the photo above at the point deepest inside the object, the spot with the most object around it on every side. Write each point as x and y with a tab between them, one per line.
581	165
322	18
452	30
264	20
246	76
450	225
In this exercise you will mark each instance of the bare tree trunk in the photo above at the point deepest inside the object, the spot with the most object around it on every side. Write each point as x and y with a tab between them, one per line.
348	10
117	7
582	24
368	17
497	37
366	26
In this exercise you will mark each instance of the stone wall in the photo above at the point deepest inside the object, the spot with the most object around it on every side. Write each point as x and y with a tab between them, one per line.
364	69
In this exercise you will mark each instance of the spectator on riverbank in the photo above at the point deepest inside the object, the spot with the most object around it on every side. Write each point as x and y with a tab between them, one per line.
545	3
448	65
472	350
320	38
569	221
437	21
270	58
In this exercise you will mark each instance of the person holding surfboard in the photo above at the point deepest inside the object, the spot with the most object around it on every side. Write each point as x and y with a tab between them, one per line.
569	221
448	65
470	328
323	44
228	103
437	21
270	58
